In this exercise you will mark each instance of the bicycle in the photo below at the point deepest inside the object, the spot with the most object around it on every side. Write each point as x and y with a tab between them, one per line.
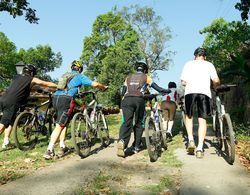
88	125
222	124
31	123
155	136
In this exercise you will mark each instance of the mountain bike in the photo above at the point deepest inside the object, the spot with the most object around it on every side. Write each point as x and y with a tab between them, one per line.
32	123
155	136
222	124
89	125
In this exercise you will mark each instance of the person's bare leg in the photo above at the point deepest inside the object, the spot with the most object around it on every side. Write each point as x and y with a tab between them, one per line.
62	137
201	132
189	128
1	128
7	135
54	137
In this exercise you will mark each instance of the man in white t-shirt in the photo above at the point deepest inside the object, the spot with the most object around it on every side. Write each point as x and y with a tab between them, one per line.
196	77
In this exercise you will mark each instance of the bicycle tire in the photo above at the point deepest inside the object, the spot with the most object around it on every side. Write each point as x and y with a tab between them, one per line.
164	139
229	138
102	129
80	135
218	132
25	134
150	136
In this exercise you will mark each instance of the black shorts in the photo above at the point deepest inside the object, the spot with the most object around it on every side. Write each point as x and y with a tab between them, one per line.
8	113
63	106
201	101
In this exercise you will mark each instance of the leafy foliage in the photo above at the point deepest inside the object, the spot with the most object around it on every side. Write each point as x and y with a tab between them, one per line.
243	7
18	8
43	58
109	52
8	57
223	39
153	38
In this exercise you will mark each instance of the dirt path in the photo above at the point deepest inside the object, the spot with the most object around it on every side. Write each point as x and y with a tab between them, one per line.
212	174
135	175
130	175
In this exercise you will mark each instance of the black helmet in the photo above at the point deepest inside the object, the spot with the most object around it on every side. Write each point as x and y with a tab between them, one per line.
172	85
77	65
28	69
200	52
141	66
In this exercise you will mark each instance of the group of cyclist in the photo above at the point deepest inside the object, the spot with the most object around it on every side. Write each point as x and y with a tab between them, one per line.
196	76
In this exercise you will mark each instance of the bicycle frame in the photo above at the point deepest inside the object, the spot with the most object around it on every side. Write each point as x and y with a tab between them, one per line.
92	118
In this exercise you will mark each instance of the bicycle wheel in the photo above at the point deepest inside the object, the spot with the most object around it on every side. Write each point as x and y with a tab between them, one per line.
80	135
219	137
151	139
229	138
102	129
164	139
25	131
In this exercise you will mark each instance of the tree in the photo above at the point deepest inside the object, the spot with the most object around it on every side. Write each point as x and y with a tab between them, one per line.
109	53
224	39
43	58
8	58
243	7
18	8
153	38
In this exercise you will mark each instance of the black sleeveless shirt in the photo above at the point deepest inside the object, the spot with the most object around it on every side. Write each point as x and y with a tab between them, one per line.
19	90
135	84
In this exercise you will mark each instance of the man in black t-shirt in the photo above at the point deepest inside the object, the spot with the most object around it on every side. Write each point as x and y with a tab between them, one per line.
15	96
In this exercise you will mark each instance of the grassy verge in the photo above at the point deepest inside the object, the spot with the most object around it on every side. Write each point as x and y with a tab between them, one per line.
243	145
15	163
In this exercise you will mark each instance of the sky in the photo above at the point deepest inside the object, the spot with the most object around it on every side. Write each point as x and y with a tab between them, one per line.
63	25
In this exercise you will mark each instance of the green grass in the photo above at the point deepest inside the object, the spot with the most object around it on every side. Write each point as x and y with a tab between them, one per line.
15	163
165	182
100	184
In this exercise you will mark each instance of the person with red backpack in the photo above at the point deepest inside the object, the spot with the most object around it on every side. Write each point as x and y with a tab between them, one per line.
168	106
63	103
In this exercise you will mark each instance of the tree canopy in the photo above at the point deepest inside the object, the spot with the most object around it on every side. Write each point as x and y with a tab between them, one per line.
243	6
153	37
19	8
42	57
110	52
8	58
224	39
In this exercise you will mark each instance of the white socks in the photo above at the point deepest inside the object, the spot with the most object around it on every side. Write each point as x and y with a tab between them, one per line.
62	145
200	147
6	141
170	125
50	147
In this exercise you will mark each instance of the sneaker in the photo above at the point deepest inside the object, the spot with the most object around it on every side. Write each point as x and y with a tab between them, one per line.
120	149
63	151
135	150
49	155
199	154
7	146
191	147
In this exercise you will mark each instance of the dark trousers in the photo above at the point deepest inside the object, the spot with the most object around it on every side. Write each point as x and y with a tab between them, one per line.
132	107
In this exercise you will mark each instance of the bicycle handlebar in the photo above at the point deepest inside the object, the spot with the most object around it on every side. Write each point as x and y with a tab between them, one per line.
224	88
